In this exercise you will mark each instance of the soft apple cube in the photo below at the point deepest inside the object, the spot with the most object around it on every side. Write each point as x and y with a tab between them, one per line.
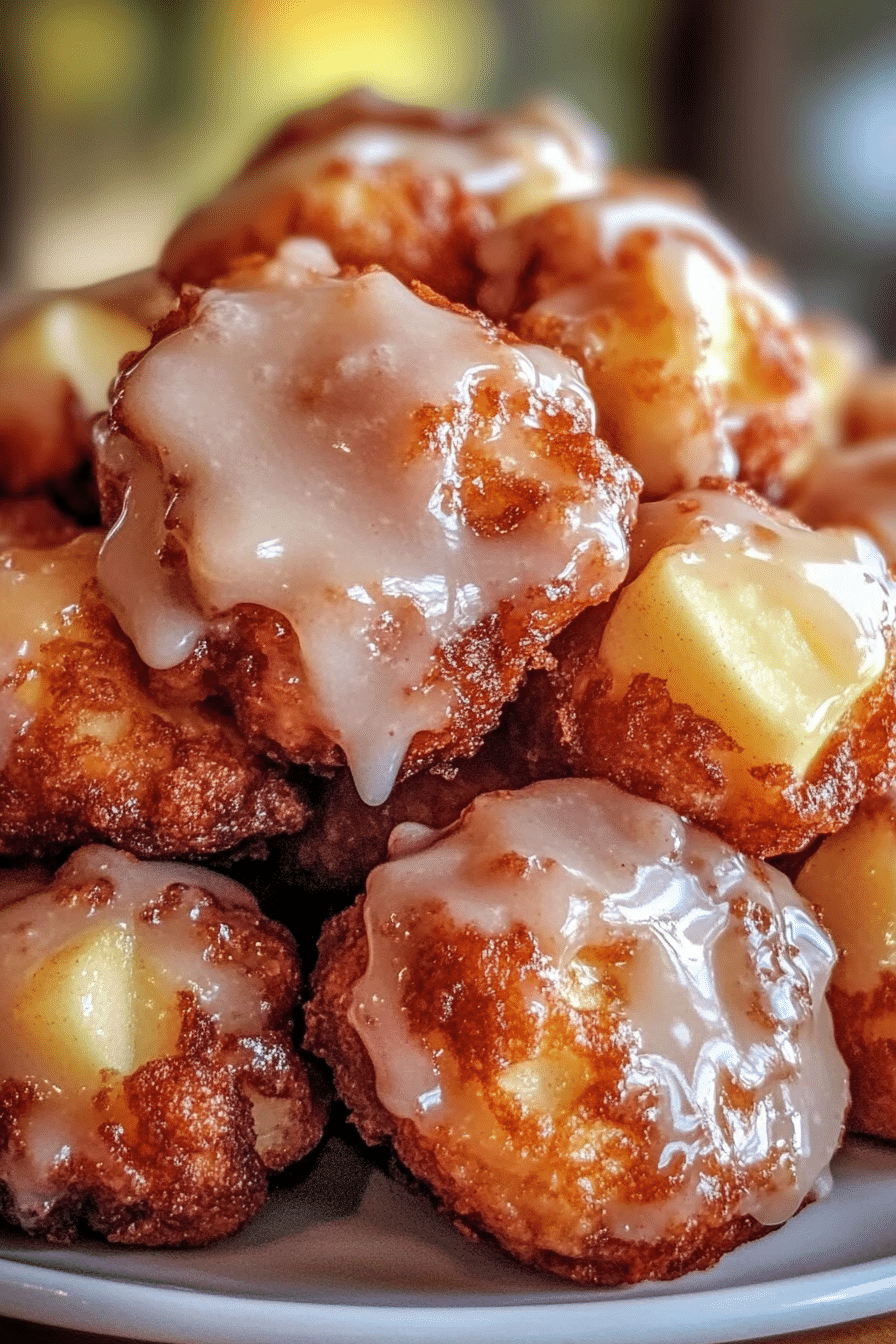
851	877
744	644
82	341
93	1006
549	1083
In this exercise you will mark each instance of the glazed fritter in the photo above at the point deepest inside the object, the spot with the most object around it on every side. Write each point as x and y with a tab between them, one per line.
408	188
354	511
744	674
695	358
595	1032
148	1081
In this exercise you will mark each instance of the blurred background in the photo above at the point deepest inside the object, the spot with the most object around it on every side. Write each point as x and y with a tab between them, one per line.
117	115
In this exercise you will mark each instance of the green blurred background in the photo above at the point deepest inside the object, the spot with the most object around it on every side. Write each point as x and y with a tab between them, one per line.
116	115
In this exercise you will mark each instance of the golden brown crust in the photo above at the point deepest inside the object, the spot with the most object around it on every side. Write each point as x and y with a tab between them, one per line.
418	225
870	410
104	758
358	107
865	1027
606	1260
624	331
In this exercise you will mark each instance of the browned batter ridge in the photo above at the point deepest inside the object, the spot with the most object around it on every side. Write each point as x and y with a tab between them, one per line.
161	1112
864	1023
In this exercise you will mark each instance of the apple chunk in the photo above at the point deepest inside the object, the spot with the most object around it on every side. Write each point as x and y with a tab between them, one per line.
754	643
93	1006
81	341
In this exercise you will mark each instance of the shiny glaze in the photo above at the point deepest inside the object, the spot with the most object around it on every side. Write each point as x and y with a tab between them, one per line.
518	163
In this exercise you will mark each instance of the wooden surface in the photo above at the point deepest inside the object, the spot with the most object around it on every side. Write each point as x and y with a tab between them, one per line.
880	1330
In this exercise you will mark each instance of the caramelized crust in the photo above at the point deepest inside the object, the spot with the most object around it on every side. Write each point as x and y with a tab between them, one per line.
865	1026
657	748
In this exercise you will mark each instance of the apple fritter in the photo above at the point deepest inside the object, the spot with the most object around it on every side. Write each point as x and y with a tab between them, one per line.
408	188
88	750
58	355
744	674
355	511
148	1080
595	1032
695	357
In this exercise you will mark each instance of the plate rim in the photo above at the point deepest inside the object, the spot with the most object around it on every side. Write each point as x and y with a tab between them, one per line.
84	1301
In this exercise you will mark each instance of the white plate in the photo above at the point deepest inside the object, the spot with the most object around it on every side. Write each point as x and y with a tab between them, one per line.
351	1256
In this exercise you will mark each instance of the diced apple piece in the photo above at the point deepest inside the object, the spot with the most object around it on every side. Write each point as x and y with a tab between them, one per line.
851	877
82	341
93	1006
748	645
549	1084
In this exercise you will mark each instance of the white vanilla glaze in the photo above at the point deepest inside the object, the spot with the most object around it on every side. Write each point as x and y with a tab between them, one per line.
43	931
519	163
285	424
709	1000
40	592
